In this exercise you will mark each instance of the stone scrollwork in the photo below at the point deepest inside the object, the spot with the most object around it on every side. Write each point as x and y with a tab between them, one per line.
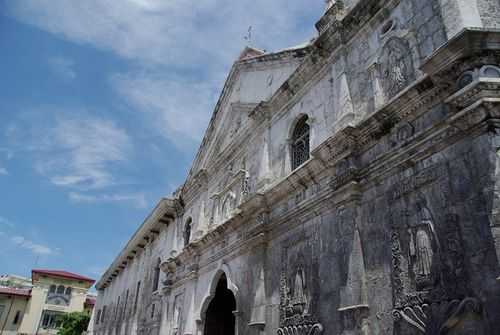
311	329
443	317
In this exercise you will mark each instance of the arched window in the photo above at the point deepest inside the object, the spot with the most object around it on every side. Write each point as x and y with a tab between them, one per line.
68	290
60	289
187	231
300	143
52	289
156	276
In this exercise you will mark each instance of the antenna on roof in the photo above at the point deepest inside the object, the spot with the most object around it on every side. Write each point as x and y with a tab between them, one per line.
248	36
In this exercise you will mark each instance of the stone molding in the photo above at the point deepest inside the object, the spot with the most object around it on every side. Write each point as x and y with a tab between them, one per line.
164	213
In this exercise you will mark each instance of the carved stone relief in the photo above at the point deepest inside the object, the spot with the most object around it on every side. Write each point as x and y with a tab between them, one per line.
395	66
297	290
428	273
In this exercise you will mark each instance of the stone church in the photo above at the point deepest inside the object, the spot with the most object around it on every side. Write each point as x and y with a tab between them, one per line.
350	185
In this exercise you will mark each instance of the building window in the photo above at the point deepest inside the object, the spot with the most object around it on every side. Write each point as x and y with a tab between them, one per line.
187	231
17	317
60	289
98	317
300	143
51	319
156	276
137	295
103	315
59	295
153	311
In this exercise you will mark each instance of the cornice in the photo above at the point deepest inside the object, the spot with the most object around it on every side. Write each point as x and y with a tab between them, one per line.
160	217
469	42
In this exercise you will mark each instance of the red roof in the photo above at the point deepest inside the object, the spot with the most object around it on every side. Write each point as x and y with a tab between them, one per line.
15	291
63	274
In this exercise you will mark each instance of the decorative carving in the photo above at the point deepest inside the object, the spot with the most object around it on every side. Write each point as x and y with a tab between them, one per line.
395	66
296	315
306	329
444	317
429	276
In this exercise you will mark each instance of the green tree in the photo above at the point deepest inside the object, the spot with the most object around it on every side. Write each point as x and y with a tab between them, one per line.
74	323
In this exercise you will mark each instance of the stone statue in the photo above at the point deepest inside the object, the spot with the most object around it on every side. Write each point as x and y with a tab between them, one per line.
299	299
424	253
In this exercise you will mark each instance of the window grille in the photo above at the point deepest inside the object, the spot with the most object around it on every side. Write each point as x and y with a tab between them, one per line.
300	143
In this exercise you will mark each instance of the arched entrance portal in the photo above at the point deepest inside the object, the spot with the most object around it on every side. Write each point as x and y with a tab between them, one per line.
220	318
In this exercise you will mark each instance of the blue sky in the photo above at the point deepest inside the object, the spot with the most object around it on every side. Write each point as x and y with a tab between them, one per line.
102	106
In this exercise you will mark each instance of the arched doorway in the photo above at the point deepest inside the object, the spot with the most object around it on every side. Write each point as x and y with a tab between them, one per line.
219	318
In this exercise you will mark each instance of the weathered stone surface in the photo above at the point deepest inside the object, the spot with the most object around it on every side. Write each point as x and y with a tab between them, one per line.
390	227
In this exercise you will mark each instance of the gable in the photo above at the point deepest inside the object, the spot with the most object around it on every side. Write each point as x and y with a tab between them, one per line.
250	82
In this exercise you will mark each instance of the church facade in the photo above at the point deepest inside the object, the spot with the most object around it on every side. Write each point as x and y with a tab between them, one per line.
346	186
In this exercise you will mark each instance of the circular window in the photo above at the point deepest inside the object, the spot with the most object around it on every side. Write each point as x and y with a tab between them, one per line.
490	71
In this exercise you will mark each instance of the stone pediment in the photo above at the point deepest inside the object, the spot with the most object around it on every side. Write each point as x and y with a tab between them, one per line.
232	116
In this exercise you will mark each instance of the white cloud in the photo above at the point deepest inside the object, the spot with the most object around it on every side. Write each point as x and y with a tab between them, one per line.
63	67
194	42
3	171
38	249
174	32
177	107
136	199
81	152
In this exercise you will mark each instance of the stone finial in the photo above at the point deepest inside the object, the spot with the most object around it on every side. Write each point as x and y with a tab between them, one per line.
345	107
354	294
258	317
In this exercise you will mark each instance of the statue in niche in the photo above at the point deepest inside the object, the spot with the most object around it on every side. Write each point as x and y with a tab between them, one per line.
299	299
424	253
423	243
395	66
